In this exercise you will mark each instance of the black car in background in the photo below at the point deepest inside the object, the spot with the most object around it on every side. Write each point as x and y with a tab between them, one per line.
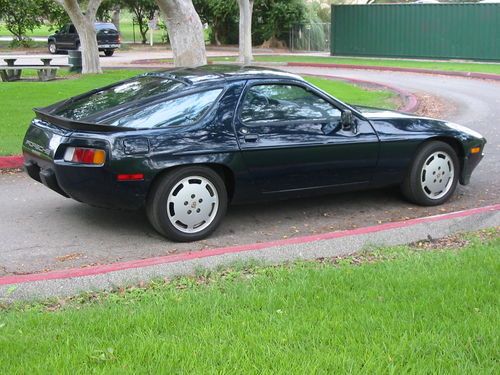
108	38
184	143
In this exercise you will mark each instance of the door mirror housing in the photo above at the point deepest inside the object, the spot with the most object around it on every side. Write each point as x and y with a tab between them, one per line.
348	121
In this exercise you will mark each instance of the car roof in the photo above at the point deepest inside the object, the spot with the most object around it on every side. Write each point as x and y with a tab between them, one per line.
222	72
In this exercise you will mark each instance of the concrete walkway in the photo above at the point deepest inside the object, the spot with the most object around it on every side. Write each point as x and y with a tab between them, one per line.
70	282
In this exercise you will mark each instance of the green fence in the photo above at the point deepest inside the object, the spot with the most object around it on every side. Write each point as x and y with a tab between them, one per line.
441	31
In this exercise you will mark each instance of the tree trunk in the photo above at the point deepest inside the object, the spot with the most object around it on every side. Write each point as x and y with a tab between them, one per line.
143	30
185	32
216	36
246	9
84	24
115	17
90	50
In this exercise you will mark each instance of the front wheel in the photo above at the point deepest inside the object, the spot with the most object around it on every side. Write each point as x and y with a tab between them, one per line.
109	52
187	204
433	176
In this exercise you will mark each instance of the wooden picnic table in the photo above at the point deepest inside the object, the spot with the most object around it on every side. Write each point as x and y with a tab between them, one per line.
12	72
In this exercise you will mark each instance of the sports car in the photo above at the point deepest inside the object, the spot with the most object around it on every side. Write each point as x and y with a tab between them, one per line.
185	143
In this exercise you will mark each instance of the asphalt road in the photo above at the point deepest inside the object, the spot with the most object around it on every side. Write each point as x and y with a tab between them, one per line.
41	230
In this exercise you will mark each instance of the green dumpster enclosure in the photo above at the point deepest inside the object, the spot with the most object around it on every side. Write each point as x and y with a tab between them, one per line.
439	31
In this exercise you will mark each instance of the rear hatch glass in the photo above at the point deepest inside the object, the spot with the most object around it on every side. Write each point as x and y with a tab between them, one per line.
142	87
106	33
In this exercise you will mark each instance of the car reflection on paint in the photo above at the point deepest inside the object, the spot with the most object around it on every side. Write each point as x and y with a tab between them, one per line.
185	143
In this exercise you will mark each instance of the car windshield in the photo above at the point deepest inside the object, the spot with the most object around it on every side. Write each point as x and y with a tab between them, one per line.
127	91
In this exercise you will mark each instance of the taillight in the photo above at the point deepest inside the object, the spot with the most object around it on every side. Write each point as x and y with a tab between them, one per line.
83	155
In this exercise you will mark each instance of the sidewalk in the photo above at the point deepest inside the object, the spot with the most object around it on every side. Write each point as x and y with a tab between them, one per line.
73	281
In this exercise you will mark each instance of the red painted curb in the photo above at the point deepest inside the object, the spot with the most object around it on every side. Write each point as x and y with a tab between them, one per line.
15	161
410	100
495	77
120	266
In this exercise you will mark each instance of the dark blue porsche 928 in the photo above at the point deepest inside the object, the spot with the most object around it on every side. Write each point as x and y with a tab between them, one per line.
184	143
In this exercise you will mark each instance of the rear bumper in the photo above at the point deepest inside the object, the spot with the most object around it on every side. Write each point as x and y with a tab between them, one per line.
96	186
45	176
105	46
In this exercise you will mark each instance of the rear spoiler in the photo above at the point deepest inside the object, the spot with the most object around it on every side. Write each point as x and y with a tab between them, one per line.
65	123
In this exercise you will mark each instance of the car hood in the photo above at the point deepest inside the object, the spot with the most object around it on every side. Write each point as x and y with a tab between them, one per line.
379	116
379	113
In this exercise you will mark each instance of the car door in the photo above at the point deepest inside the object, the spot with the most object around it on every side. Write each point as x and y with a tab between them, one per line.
65	39
72	40
291	138
59	37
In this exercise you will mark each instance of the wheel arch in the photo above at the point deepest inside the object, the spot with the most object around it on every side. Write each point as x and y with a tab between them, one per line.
451	141
222	170
455	144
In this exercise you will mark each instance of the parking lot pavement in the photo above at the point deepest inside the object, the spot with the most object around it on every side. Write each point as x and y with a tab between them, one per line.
41	230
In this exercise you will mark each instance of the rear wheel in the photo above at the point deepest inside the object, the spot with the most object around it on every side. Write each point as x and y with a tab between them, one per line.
433	176
187	204
109	52
52	48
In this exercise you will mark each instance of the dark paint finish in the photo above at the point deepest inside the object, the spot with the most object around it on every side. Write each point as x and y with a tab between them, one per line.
269	160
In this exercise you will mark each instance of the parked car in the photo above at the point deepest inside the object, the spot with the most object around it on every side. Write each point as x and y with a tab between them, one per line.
183	143
108	38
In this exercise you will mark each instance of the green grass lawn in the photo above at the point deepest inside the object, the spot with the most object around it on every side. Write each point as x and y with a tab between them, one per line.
397	311
437	65
18	99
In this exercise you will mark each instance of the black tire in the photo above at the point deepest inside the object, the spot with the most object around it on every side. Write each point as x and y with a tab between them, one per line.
52	47
159	211
413	186
109	52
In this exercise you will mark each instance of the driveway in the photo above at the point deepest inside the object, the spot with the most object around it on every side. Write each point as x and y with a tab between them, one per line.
42	231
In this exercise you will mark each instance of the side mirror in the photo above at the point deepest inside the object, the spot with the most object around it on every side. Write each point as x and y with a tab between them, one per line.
348	121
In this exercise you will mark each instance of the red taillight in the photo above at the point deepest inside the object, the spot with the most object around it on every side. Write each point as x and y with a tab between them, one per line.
83	155
130	177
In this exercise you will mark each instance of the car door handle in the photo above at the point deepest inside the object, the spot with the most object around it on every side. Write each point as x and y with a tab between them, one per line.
251	138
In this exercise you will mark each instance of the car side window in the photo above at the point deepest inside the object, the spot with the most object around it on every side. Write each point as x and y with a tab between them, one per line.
282	103
184	110
72	29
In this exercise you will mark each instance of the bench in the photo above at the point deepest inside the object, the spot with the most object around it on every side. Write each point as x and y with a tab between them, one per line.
12	72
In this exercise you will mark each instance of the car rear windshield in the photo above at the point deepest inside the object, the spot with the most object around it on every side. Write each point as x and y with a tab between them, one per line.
104	26
184	110
127	91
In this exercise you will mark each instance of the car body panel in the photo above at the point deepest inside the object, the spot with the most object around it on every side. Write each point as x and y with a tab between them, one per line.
285	160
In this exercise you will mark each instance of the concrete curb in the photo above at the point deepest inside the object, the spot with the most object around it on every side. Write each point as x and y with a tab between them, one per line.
410	100
9	162
73	281
495	77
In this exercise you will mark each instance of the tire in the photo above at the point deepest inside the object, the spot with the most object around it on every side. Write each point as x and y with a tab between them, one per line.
52	47
109	52
187	204
433	176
